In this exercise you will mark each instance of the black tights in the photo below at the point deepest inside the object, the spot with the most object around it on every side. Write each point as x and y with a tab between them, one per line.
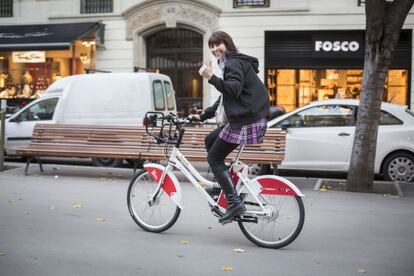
217	150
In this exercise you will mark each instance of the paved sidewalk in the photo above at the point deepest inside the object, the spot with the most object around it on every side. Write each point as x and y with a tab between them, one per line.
73	220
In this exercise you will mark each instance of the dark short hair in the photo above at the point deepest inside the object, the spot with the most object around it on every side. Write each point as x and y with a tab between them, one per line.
222	37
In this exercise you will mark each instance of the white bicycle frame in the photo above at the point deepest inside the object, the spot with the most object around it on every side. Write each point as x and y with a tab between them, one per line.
244	184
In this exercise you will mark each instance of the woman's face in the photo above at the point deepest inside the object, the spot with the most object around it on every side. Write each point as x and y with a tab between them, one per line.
218	50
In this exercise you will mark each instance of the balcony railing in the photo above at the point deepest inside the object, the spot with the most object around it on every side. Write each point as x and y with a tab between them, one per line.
361	3
250	3
6	8
97	6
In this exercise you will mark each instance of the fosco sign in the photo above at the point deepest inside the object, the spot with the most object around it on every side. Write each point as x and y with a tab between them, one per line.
336	46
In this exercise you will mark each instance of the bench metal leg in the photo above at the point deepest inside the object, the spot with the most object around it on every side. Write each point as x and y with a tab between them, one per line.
275	170
26	169
135	165
40	164
29	160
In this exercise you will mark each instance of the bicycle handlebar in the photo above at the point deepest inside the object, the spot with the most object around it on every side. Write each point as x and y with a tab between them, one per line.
167	134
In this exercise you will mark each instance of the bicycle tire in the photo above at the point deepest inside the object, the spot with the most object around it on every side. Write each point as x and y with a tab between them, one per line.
156	218
281	239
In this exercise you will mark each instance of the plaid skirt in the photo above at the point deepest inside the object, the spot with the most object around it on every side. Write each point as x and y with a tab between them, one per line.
249	134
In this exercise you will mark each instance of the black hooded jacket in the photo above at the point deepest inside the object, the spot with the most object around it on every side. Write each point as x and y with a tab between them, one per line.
245	97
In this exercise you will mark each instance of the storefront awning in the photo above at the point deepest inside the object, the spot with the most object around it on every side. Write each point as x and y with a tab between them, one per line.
47	36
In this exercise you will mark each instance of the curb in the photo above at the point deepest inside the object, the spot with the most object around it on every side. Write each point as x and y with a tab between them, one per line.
379	187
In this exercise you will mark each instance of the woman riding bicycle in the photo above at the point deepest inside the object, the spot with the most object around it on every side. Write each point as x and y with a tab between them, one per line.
246	105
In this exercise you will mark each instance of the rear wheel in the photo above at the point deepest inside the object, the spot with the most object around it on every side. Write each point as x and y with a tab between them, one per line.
399	166
280	226
156	216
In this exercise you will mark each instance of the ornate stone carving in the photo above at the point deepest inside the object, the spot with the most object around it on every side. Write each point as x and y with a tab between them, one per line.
170	14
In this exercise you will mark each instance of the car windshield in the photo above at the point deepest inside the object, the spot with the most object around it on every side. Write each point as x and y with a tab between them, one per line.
409	111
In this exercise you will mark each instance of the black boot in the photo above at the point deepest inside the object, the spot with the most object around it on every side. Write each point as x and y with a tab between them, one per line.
214	192
235	206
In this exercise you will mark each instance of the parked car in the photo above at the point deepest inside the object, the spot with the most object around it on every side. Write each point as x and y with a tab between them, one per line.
109	98
320	137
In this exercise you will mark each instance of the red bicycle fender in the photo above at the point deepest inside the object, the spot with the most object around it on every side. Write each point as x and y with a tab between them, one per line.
275	185
171	186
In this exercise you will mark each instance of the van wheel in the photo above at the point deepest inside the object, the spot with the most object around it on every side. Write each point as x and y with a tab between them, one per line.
140	163
106	162
259	169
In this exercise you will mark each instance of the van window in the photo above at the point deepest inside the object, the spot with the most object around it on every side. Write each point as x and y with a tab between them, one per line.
40	111
158	95
169	95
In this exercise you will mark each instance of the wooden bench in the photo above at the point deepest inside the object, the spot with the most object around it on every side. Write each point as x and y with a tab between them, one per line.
132	142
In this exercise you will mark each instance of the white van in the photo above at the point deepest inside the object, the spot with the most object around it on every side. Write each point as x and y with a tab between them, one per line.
106	98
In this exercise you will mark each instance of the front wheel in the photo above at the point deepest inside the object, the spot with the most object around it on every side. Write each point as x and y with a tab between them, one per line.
153	216
280	226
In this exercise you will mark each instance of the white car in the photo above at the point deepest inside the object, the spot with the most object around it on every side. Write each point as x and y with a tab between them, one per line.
320	137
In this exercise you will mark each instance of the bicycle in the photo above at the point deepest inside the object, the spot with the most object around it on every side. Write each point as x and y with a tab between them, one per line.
275	211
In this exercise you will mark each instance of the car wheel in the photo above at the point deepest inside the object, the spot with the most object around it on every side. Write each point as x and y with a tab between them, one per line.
399	166
259	169
106	162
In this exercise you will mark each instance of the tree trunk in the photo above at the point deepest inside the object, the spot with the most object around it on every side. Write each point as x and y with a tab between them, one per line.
384	21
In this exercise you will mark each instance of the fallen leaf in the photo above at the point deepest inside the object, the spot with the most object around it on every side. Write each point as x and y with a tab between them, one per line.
11	201
239	250
323	190
210	227
51	207
180	256
77	206
227	268
361	270
184	242
2	254
101	219
387	195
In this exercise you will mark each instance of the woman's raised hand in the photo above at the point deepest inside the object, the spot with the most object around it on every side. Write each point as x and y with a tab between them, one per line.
206	71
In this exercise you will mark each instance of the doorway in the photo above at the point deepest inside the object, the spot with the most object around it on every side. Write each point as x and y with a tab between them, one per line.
178	53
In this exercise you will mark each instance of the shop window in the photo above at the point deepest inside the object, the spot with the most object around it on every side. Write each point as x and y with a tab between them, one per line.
169	95
250	3
40	111
158	96
97	6
293	88
6	8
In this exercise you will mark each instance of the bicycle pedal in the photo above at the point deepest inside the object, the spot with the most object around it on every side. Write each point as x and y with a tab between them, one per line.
227	222
216	211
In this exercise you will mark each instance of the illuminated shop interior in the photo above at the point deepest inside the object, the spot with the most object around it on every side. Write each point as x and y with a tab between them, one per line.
292	88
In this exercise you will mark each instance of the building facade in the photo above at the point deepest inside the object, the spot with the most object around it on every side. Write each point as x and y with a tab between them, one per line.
307	49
